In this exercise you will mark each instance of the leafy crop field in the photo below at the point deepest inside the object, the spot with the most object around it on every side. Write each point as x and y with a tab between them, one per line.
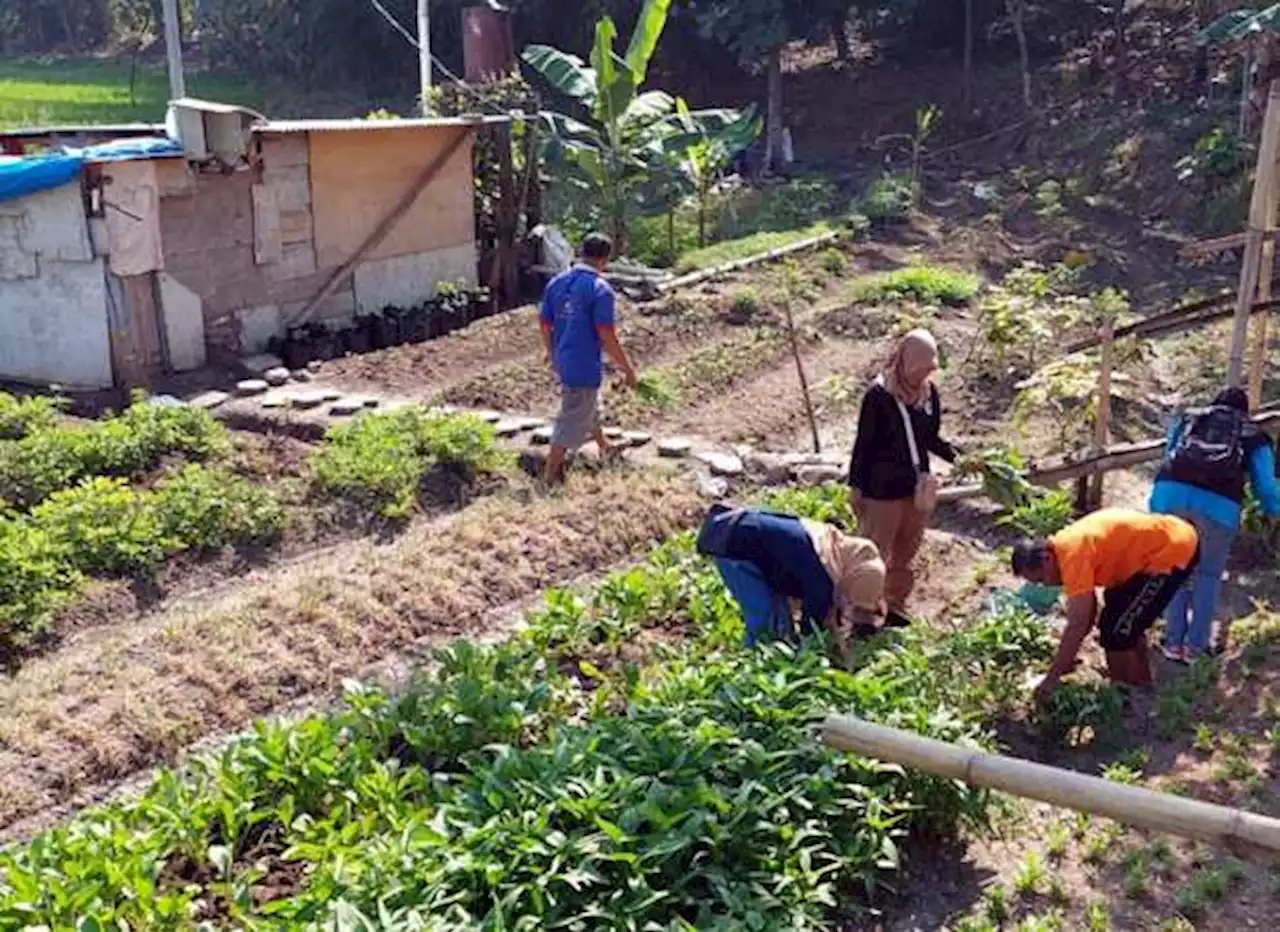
620	763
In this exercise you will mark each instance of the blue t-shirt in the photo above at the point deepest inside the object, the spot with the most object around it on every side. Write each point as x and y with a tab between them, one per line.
575	304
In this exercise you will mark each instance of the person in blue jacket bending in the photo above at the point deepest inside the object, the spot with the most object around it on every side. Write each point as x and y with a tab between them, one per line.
1210	455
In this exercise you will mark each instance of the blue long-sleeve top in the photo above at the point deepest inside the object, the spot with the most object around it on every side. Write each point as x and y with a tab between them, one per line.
783	552
1170	496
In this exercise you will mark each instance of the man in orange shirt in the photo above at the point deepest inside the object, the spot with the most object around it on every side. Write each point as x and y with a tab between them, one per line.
1139	560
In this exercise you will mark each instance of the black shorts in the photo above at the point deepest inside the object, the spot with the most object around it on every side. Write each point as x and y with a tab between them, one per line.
1130	609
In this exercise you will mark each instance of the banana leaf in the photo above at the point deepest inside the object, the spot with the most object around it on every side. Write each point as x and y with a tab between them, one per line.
644	39
566	73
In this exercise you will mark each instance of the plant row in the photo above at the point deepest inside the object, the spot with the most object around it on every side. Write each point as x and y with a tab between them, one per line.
44	457
103	527
378	461
621	763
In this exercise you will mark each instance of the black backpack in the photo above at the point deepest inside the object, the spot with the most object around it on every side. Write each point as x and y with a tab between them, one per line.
1210	454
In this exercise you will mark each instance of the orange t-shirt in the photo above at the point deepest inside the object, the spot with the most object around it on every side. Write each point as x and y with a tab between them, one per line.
1109	547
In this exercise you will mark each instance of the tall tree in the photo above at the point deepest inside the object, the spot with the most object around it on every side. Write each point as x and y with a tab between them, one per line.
756	31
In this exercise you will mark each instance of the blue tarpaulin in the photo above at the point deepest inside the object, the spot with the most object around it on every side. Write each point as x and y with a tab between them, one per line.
122	150
22	176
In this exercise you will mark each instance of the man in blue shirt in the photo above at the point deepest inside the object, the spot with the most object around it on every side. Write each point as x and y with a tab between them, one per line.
577	322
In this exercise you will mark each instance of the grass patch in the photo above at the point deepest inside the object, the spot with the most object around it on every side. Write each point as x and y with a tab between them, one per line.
62	91
746	246
928	284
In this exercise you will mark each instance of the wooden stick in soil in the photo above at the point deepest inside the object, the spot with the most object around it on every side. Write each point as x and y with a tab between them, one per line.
1258	363
1244	832
1102	417
804	382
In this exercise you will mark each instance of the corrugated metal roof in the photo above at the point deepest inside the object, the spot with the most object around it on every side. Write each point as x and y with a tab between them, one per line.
355	125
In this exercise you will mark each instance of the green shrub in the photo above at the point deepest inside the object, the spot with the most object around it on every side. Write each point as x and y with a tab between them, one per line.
378	460
745	304
833	262
928	284
36	579
889	199
462	442
104	527
22	416
205	510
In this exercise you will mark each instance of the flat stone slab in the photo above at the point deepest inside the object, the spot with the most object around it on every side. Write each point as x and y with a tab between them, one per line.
300	375
277	376
309	400
250	387
507	428
489	417
636	438
330	394
345	407
314	365
542	436
613	433
260	364
723	464
674	447
273	400
820	473
208	400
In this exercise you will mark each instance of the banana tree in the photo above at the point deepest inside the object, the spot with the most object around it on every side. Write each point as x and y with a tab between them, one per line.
627	136
702	154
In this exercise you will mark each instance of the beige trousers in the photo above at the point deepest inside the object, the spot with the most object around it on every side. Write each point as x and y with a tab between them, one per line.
897	529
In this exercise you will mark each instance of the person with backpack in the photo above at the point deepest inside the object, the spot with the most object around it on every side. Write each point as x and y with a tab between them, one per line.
893	489
768	560
1210	455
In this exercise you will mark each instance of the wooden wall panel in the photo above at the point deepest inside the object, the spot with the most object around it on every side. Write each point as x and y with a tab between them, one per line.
357	178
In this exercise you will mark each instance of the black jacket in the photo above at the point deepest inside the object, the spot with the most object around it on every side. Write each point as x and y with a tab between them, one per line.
880	467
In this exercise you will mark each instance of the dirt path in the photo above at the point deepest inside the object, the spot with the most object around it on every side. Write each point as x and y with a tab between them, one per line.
120	698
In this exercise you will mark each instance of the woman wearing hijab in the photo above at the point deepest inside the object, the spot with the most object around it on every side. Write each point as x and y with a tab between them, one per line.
769	560
1210	455
894	492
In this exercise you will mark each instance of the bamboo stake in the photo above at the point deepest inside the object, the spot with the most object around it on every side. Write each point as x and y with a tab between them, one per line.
1102	417
1236	829
697	278
804	382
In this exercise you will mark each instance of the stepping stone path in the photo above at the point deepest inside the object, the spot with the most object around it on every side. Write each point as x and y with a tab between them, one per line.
301	375
674	448
636	438
507	428
489	417
613	433
531	423
278	376
330	394
313	366
723	464
209	400
276	401
542	436
250	387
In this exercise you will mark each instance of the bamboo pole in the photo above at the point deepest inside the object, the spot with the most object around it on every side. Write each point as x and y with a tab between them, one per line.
1187	318
1102	417
1258	362
1236	829
1119	456
697	278
1261	222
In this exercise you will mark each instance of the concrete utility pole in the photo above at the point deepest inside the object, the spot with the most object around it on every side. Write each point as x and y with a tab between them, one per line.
173	49
424	51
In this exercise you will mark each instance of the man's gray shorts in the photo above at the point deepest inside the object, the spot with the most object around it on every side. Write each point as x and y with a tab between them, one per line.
576	423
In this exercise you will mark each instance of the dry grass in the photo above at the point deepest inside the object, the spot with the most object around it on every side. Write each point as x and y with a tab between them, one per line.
120	699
